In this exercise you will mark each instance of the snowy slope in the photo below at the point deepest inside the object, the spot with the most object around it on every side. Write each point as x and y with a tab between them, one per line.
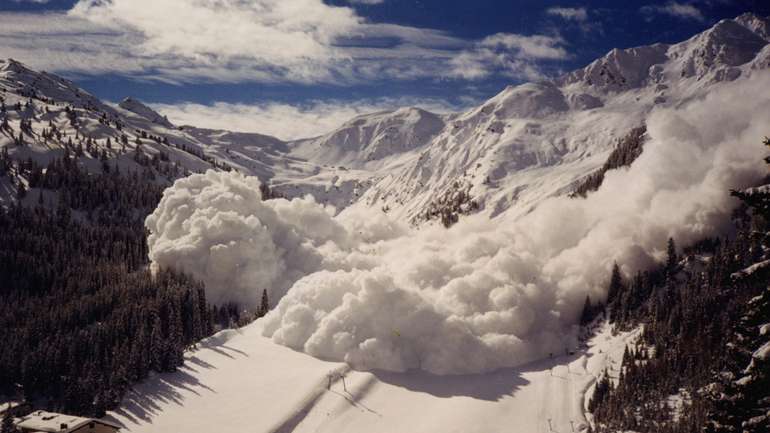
141	110
242	381
48	102
528	143
534	141
372	138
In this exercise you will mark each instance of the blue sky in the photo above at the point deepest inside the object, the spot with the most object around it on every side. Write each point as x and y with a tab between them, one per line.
225	62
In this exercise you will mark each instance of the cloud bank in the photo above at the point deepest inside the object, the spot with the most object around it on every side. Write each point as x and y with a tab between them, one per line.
281	120
484	294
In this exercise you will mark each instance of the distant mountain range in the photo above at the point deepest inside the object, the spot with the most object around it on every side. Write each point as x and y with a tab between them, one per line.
527	143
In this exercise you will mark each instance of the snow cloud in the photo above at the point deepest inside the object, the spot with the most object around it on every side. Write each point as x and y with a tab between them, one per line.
216	227
484	294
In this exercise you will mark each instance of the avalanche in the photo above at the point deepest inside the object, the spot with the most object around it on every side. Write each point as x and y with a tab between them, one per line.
484	294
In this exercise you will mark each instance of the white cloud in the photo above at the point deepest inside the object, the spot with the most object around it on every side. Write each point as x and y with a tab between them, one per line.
676	9
295	37
575	17
515	55
281	120
299	41
574	14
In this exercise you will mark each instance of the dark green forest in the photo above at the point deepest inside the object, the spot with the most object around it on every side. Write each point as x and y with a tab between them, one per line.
702	314
81	315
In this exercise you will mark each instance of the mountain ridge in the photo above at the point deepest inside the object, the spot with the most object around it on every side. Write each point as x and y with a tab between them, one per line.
526	143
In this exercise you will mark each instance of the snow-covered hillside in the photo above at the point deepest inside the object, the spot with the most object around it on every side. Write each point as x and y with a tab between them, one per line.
534	141
367	140
243	381
62	116
528	143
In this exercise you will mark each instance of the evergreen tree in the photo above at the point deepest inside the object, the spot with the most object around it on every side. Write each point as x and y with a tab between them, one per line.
616	284
264	305
671	257
588	312
8	425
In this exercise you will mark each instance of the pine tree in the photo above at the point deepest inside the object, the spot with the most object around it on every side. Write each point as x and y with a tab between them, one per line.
157	344
264	305
8	425
587	315
757	198
672	260
21	191
616	284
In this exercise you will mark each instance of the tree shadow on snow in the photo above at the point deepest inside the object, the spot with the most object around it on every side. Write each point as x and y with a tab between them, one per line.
141	405
489	386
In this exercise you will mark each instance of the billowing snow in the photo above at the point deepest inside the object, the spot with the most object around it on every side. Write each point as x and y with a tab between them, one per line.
216	227
484	294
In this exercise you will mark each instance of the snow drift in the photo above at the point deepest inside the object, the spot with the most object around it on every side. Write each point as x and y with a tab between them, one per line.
484	294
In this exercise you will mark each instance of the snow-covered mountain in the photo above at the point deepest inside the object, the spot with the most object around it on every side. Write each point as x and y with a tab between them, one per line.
373	138
529	142
141	110
537	140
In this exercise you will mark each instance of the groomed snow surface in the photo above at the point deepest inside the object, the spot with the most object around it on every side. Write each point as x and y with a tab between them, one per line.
241	381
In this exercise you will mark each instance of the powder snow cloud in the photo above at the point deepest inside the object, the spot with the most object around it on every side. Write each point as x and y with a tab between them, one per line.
484	294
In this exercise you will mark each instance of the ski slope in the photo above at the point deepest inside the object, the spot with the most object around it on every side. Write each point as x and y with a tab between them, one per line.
241	381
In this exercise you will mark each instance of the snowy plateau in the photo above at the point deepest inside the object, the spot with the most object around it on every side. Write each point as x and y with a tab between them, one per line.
385	320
